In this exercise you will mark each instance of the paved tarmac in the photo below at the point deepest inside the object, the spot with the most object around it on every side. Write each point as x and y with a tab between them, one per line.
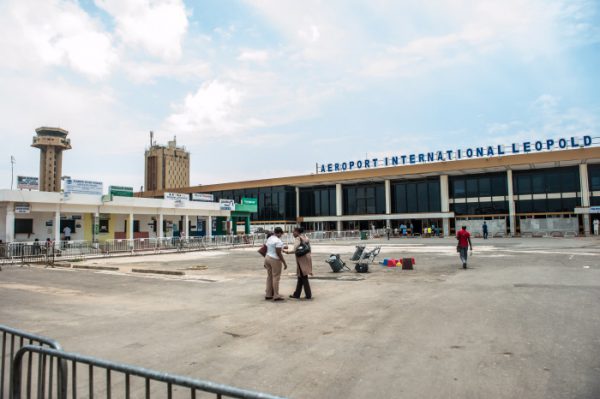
522	322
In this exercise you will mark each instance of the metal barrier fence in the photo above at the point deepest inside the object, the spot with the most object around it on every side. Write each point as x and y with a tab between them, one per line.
49	252
12	342
116	379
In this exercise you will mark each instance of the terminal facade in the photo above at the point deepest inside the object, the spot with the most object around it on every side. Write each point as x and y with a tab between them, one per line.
528	193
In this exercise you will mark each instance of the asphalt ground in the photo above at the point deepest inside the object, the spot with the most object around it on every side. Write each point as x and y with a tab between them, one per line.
523	321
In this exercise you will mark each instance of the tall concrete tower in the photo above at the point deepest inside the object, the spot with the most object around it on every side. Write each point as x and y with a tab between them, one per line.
51	141
166	167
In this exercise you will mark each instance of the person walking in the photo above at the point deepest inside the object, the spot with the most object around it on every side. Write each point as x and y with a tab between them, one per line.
273	261
303	265
485	230
464	242
596	227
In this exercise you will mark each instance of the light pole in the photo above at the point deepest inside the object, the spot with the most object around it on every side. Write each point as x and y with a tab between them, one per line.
12	171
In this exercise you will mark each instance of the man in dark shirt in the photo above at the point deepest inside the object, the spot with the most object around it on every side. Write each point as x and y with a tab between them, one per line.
485	230
464	243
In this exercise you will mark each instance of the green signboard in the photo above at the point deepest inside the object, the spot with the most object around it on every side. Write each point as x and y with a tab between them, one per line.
249	201
120	191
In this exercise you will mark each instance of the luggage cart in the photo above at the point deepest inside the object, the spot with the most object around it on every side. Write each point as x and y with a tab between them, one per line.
366	258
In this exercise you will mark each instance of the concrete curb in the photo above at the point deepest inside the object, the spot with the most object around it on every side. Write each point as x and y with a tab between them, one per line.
111	268
150	271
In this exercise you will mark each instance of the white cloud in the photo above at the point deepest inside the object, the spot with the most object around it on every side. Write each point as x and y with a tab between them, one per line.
149	72
158	26
54	33
254	55
548	117
212	111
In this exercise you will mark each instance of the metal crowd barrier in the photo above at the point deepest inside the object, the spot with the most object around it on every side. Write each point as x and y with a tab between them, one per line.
41	252
117	379
13	341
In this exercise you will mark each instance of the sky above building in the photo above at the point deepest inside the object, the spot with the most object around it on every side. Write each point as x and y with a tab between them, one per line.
257	88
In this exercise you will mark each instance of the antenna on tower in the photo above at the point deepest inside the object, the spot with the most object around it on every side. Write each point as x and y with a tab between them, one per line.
12	171
151	138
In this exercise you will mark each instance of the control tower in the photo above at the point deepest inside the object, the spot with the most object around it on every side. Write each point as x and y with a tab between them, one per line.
51	141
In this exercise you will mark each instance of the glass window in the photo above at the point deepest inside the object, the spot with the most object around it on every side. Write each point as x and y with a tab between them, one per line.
485	208
349	201
553	182
485	189
524	206
472	190
539	205
324	202
422	196
460	209
472	208
570	180
499	184
523	185
500	206
380	198
538	184
399	198
435	204
569	204
411	198
594	177
458	188
554	205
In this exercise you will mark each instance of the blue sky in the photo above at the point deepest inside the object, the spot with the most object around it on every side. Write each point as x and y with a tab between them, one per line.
258	88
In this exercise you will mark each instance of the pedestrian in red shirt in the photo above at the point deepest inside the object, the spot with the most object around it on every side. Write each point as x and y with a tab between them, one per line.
464	243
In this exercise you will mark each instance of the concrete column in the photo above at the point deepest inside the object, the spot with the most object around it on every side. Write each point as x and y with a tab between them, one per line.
444	193
446	226
130	227
388	202
159	228
186	226
445	203
57	227
297	203
209	226
511	203
339	204
95	226
10	223
585	196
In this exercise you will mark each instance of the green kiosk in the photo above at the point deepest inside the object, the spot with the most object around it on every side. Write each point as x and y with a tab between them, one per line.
242	211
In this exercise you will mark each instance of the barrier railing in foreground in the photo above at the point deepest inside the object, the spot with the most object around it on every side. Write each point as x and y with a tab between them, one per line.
13	341
162	384
30	252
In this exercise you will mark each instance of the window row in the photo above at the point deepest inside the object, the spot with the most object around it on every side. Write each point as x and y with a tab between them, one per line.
484	185
364	199
274	203
317	201
416	196
547	205
594	177
480	208
555	180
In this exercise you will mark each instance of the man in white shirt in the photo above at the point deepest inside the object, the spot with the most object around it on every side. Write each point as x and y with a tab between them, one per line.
67	233
273	262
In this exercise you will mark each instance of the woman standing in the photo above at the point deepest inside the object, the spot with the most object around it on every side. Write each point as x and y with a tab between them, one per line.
303	265
273	261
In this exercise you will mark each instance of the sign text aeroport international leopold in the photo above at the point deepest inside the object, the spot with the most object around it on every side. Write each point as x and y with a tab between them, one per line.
525	147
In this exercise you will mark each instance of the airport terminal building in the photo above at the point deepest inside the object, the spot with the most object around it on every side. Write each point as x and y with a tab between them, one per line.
540	187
